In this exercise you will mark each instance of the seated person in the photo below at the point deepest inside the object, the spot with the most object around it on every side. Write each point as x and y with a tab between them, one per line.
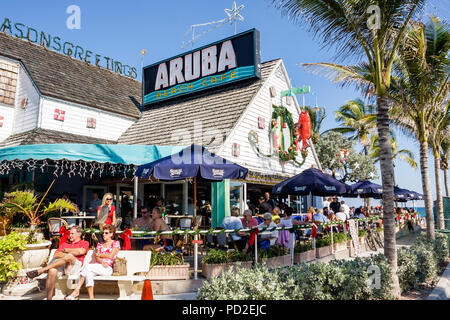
341	214
276	215
158	224
309	214
248	221
233	222
144	222
319	217
101	264
67	259
268	239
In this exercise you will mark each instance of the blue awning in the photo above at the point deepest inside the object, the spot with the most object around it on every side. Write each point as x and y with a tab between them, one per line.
102	153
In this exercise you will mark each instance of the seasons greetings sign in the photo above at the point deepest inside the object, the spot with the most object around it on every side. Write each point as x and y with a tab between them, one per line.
223	62
49	41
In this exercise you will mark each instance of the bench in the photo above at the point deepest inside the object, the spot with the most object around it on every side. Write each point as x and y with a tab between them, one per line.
137	262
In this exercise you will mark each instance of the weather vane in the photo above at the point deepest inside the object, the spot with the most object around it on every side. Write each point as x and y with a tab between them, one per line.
233	16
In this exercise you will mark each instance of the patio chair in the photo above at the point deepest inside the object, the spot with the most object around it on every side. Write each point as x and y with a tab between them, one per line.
54	225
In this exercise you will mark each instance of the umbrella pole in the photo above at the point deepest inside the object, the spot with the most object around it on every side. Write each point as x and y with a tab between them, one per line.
195	227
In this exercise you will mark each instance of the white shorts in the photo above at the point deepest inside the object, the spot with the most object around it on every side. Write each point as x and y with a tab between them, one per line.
68	270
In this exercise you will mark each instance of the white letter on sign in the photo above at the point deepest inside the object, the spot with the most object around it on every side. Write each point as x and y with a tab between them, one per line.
227	57
209	61
73	21
162	78
192	66
176	71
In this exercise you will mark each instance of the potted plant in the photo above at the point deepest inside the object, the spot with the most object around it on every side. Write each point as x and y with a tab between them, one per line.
323	246
275	256
303	252
340	242
168	266
10	245
36	250
217	261
362	233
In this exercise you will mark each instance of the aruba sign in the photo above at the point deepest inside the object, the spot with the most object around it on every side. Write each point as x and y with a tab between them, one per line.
223	62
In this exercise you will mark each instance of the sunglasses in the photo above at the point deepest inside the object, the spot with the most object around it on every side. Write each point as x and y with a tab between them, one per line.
109	199
106	232
144	212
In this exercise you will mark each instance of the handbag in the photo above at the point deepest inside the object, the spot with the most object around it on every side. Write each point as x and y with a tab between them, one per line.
120	267
102	216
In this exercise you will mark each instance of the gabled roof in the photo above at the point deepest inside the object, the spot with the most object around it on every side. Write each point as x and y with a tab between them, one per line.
213	110
42	136
61	77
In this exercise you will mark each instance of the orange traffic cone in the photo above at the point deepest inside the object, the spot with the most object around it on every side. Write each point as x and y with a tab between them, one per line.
147	292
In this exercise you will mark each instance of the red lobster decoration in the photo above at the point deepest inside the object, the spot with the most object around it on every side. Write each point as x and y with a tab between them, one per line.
303	130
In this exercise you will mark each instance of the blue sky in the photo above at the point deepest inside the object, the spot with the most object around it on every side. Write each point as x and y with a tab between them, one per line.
120	29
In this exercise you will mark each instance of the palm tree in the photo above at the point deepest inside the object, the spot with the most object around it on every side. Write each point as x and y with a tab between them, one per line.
317	115
439	133
375	40
445	149
357	119
402	154
419	88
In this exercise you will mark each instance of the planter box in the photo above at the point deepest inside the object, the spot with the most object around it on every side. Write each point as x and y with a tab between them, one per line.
276	262
323	252
304	256
341	246
180	272
362	244
214	270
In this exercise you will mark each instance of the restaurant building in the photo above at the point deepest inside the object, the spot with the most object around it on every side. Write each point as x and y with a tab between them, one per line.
51	98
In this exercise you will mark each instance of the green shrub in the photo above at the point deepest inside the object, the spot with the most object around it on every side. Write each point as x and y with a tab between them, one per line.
323	242
273	251
303	247
166	259
340	237
217	256
407	269
426	262
383	292
362	233
255	284
9	245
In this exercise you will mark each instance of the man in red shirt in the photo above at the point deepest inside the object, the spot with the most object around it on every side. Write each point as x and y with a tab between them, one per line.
68	259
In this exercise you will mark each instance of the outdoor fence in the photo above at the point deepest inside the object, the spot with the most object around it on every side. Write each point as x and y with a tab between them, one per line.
125	234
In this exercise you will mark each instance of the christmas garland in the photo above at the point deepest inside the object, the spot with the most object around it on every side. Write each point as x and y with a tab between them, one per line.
219	231
286	119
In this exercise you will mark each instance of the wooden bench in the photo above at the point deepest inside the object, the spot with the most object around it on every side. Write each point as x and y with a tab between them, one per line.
137	262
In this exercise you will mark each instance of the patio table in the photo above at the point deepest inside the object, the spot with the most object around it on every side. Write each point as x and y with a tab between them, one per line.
79	219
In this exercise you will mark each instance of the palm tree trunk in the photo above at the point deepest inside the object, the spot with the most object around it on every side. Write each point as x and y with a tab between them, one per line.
446	182
439	201
426	186
387	174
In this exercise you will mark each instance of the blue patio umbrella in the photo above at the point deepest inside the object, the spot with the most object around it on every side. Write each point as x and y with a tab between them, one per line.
401	194
365	189
311	181
415	195
192	162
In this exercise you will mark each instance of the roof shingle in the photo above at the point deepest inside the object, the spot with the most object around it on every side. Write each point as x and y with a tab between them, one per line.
41	136
59	76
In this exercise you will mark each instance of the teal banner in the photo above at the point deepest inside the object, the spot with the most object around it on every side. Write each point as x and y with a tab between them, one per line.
202	84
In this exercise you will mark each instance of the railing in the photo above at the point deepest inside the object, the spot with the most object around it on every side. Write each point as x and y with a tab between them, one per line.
292	230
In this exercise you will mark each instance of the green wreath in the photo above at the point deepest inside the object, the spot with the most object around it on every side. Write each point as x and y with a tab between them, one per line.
286	117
